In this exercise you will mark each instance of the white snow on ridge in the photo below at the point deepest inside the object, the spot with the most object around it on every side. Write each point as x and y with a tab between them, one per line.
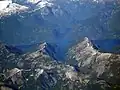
41	3
13	8
4	4
57	7
44	3
33	1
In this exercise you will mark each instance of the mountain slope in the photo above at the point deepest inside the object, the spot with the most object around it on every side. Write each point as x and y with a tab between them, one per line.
37	70
90	61
69	18
54	21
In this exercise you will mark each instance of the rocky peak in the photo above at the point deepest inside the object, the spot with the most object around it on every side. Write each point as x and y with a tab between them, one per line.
88	57
97	65
83	49
49	49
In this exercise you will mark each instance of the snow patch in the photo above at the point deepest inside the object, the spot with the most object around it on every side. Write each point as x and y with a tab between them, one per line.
12	9
4	4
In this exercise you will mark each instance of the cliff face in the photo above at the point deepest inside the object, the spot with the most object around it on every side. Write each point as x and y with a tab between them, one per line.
54	21
95	64
86	68
35	70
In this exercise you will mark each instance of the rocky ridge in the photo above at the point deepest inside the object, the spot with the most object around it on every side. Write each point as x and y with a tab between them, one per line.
95	64
39	71
12	8
35	70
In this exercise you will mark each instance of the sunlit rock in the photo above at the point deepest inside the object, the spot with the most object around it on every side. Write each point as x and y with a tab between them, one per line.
15	75
41	71
13	72
94	63
38	73
71	75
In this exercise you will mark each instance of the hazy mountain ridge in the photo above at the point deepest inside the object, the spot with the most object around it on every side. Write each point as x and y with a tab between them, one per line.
60	22
66	18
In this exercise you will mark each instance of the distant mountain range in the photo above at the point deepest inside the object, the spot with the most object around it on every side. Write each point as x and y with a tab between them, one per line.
60	22
57	53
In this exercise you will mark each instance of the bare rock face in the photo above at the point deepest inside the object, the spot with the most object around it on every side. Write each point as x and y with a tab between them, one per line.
6	58
15	75
95	64
37	71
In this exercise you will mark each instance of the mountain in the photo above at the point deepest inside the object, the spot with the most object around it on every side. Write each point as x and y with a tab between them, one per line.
35	70
50	49
61	24
91	61
43	18
54	21
54	50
